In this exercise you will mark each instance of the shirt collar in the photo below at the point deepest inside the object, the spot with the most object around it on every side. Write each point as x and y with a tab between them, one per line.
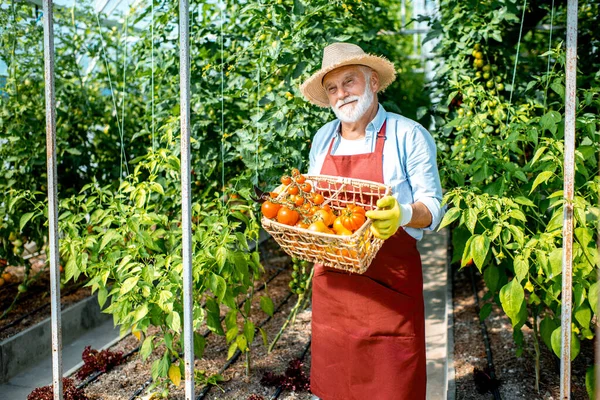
373	127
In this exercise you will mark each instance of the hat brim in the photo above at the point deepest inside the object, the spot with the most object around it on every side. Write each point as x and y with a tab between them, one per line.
313	89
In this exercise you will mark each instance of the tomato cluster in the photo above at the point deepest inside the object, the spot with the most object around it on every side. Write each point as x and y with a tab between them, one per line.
302	207
299	281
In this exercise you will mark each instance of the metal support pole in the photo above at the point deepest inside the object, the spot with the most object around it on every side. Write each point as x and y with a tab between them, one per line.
52	253
569	176
186	205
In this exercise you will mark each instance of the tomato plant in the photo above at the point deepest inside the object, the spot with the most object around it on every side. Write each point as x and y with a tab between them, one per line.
503	147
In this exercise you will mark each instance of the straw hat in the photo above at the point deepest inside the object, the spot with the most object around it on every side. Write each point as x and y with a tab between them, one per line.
339	55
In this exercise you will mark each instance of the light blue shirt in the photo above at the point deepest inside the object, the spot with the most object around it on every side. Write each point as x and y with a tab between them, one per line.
409	161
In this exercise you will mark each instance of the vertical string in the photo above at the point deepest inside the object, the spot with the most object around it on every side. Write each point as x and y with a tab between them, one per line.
152	72
257	118
222	6
112	92
123	97
549	55
512	85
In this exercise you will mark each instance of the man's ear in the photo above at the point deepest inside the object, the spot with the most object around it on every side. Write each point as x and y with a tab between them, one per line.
375	81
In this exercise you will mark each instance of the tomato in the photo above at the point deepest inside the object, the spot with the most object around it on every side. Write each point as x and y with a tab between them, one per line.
292	190
325	216
286	180
301	224
306	208
353	217
318	226
299	201
287	216
273	195
295	172
300	179
306	187
318	198
269	209
339	228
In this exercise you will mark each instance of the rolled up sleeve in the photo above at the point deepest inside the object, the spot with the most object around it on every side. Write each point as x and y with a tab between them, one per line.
423	175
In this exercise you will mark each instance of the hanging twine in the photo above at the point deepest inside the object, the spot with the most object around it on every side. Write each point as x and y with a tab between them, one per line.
512	85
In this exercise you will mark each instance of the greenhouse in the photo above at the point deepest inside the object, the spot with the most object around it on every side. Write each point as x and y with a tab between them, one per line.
299	199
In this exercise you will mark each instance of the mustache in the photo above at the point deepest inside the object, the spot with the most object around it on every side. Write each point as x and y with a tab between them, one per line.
347	100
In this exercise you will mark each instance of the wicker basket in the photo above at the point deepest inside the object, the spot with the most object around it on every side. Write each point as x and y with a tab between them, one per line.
352	253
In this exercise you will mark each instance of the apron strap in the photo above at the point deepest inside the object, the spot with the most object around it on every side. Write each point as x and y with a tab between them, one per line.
378	145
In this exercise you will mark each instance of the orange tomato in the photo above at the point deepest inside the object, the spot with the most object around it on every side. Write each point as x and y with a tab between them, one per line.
318	198
269	209
322	215
353	217
292	190
299	201
286	180
306	187
301	224
300	179
287	216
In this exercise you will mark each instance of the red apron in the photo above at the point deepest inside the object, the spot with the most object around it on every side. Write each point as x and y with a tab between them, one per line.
368	331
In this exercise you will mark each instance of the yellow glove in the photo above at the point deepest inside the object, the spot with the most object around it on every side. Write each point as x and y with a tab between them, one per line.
386	219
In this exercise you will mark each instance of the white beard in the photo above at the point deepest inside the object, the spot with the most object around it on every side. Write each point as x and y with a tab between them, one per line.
353	113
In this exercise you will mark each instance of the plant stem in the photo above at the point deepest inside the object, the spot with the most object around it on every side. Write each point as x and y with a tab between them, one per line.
536	346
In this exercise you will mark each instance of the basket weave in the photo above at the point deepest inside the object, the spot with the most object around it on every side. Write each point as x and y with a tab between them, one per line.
352	253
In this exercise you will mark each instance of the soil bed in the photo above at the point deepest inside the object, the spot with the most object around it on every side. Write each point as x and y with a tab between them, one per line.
36	298
124	380
516	374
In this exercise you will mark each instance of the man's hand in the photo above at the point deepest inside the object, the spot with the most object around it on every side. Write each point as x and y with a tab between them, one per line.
387	219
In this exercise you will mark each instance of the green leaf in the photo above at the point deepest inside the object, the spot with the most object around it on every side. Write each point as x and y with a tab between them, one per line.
266	304
491	276
583	315
485	311
479	250
232	348
541	178
147	347
231	334
471	219
557	345
107	238
174	321
242	343
590	381
555	262
265	339
213	317
547	326
512	297
538	154
524	201
199	344
550	120
249	331
24	220
517	214
593	292
578	295
521	267
102	296
451	215
217	285
128	285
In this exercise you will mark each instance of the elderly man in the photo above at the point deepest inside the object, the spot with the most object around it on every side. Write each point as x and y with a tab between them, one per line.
368	331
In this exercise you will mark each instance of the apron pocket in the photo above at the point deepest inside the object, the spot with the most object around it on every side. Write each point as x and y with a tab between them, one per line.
388	313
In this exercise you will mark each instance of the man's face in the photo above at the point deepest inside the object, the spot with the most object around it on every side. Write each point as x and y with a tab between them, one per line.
349	93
